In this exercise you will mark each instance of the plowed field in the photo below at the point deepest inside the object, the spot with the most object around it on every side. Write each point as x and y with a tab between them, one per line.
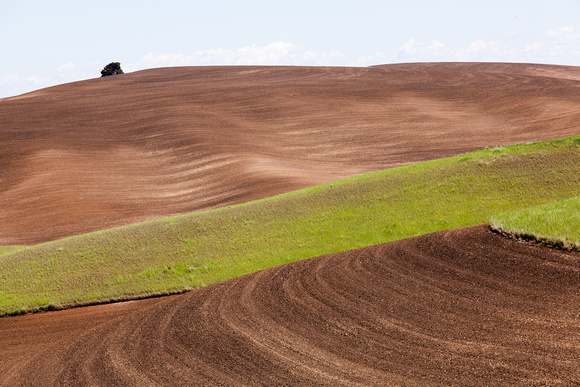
107	152
463	307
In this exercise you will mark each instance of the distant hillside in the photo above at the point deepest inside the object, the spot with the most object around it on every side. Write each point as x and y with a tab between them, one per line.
105	152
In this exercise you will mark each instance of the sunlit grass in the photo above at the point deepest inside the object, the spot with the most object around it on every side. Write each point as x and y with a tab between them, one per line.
556	224
10	249
189	251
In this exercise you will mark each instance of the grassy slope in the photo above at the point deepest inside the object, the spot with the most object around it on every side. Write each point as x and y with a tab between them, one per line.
10	249
198	249
556	223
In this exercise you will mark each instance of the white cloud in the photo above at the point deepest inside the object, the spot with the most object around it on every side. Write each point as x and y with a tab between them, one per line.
321	58
489	51
66	67
369	60
412	51
276	53
561	45
563	31
11	85
8	80
17	82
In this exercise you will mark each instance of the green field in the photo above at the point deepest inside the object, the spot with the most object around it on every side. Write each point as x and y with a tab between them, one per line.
189	251
10	249
556	224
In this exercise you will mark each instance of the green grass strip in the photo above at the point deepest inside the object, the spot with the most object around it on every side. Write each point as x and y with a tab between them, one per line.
185	252
10	249
556	224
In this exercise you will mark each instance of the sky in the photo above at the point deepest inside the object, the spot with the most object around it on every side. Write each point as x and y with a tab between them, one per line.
45	43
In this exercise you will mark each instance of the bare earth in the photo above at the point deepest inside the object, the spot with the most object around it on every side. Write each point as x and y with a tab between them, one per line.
107	152
459	307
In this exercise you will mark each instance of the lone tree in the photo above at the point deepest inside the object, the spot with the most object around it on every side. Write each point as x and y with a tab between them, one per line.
112	68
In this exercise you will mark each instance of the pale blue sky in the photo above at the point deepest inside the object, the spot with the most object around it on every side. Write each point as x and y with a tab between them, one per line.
45	43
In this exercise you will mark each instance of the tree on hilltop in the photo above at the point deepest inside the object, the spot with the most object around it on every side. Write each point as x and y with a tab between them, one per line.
112	68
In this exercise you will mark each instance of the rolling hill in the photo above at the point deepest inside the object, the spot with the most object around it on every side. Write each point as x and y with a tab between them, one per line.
457	307
106	152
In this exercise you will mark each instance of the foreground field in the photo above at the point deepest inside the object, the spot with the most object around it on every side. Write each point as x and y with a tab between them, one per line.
107	152
459	307
177	254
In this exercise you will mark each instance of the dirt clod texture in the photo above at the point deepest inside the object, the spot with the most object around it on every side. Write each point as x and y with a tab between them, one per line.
459	307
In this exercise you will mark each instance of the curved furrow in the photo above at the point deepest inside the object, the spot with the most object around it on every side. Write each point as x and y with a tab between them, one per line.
464	307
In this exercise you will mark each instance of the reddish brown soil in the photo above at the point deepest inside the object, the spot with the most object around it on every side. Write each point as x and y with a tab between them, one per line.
112	151
459	307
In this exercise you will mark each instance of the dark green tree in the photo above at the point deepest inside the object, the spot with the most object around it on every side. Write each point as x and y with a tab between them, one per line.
112	68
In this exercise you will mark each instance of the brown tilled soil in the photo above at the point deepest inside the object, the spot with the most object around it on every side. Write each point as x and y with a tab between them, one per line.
460	307
112	151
